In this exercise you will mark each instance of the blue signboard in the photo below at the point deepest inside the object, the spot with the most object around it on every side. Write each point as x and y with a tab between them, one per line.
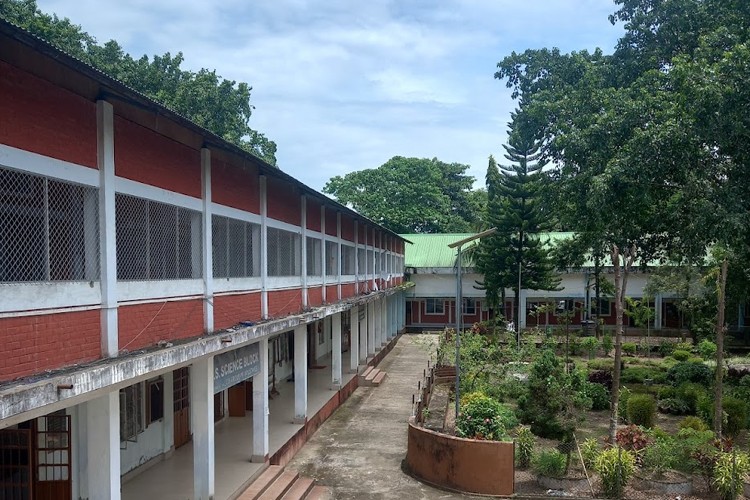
233	367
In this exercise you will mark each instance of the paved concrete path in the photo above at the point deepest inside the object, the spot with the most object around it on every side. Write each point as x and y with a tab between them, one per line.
358	451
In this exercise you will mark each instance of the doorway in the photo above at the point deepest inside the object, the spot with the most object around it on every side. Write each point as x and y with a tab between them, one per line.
181	378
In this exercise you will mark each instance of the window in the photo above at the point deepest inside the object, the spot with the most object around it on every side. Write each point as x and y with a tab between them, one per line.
131	412
470	306
156	241
236	248
362	262
332	263
605	307
49	229
313	257
347	260
155	401
434	306
370	264
283	252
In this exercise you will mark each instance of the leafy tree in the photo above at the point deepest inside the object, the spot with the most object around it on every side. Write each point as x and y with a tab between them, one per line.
219	105
411	195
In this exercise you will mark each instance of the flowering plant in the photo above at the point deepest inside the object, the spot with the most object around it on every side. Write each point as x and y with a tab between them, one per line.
482	417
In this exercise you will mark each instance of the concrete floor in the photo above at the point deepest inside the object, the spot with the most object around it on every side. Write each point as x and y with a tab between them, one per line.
358	451
172	479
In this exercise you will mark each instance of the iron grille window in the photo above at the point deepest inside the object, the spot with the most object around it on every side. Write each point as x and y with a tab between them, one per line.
370	269
361	261
156	241
131	412
347	260
435	306
236	247
49	229
313	257
283	252
332	253
382	262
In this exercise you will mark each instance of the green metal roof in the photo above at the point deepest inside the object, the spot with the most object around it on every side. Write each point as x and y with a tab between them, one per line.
431	250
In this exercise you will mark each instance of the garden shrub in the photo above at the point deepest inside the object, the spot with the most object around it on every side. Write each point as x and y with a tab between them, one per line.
690	394
666	347
599	396
659	455
615	466
590	344
690	446
684	346
589	452
693	422
622	403
642	410
736	412
607	344
601	364
681	355
550	463
524	446
632	438
707	349
482	417
638	374
667	392
690	372
673	406
629	348
602	377
729	474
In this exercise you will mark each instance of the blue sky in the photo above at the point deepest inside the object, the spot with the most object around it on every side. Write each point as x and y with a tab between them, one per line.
344	85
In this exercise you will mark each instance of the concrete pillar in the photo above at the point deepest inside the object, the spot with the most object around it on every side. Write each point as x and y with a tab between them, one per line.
336	352
658	319
300	374
202	424
522	316
303	244
354	340
363	335
323	255
103	441
207	264
370	329
260	406
168	434
378	325
384	321
262	184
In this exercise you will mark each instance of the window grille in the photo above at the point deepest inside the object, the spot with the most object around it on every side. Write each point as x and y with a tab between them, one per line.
370	269
347	260
236	248
156	241
131	412
49	229
332	253
284	252
313	257
434	306
361	261
382	269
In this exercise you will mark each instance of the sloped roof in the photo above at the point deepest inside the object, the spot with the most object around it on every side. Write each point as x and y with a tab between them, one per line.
431	250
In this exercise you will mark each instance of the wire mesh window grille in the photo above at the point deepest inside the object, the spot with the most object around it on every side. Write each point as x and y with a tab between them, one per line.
236	248
361	261
49	229
314	256
370	262
131	412
347	260
284	252
332	261
382	269
156	241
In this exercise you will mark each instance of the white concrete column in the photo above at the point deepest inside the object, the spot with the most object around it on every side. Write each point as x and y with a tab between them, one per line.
300	374
378	325
263	246
105	159
370	329
357	291
323	255
354	340
522	315
207	264
363	335
260	406
658	320
103	441
202	425
338	259
168	434
303	241
336	352
384	321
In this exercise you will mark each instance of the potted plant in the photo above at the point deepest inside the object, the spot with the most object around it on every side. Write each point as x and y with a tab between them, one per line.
552	472
657	473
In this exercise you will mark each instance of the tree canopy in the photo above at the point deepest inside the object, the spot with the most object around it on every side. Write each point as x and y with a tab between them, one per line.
219	105
412	195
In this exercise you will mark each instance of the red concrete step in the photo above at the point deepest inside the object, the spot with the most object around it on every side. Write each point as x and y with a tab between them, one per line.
366	372
319	493
277	489
378	379
299	489
371	376
260	485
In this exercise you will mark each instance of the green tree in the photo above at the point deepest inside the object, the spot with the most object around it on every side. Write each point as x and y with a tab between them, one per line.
219	105
411	195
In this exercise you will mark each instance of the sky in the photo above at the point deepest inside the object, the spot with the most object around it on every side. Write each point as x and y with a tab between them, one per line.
345	85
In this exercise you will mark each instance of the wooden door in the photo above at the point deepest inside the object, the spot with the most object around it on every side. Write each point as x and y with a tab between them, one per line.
52	475
237	400
181	406
15	464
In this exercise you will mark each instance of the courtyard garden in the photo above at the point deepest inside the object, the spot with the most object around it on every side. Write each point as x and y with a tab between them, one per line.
552	396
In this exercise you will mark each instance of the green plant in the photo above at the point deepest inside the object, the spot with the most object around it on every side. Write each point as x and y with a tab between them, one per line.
666	347
589	451
622	403
694	423
736	415
632	438
481	417
599	396
524	447
615	466
691	393
690	372
659	456
590	344
706	349
550	463
730	471
629	348
674	406
639	374
681	355
684	346
601	365
642	410
607	344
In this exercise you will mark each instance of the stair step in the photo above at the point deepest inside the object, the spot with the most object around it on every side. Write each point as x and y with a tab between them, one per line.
260	485
366	372
299	489
378	379
319	492
280	486
370	376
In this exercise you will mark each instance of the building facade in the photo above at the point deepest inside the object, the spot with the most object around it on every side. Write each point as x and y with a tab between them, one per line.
155	280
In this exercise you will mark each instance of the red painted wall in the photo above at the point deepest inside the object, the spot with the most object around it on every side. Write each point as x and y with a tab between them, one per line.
143	325
231	309
315	296
348	290
331	222
362	230
313	215
32	344
45	119
283	302
145	156
283	202
234	186
332	293
347	228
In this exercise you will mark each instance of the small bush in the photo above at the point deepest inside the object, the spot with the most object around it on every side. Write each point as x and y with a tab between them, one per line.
550	463
681	355
601	365
622	403
590	344
730	471
607	343
638	374
524	447
615	466
673	406
684	346
659	456
642	410
632	438
691	393
629	348
589	452
482	417
736	412
666	347
599	396
707	349
667	392
694	423
690	372
602	377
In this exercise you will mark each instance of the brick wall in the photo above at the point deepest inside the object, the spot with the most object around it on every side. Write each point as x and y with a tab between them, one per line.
32	344
332	293
347	228
231	309
235	187
331	222
313	215
283	302
348	290
45	119
143	325
145	156
315	296
283	202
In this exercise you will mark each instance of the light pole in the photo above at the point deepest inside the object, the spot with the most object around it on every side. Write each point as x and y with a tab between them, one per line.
459	305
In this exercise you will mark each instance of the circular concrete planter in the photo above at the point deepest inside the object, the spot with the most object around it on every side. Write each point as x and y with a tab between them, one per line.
676	483
746	489
563	483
